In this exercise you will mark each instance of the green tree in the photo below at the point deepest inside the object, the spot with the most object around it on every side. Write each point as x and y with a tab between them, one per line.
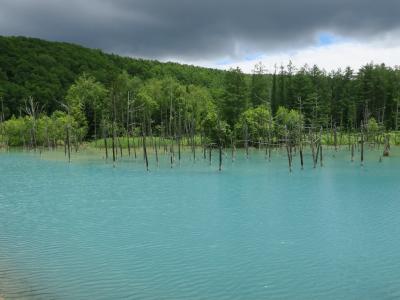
235	99
259	92
86	99
288	120
258	123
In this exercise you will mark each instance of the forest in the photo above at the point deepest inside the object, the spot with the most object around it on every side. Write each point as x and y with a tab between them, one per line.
55	93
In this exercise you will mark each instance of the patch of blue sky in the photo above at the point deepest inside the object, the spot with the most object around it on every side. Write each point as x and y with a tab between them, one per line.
253	56
224	62
327	38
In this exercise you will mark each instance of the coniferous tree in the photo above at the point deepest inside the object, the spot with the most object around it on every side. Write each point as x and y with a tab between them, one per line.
235	99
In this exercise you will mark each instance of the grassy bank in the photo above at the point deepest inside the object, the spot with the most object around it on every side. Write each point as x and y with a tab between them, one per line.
343	139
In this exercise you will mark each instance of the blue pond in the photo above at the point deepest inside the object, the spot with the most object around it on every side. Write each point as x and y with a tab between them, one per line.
86	230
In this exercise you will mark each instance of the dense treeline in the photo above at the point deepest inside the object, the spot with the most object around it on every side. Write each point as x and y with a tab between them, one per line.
58	93
45	70
342	97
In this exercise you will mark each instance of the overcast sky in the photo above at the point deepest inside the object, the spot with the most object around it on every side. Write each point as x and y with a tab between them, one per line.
219	33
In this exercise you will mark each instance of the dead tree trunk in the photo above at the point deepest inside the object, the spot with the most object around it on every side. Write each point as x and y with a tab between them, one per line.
172	153
386	150
146	160
233	149
301	156
193	138
134	144
352	152
362	144
209	153
320	155
313	150
68	143
288	149
105	140
156	152
246	139
179	149
127	124
113	142
114	150
65	145
120	147
220	156
320	145
335	137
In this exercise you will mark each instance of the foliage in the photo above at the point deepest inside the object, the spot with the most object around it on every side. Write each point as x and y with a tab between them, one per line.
257	121
46	70
288	122
25	131
235	98
216	130
372	125
120	96
86	95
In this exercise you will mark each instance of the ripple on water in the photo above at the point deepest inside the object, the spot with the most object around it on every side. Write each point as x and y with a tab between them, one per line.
254	231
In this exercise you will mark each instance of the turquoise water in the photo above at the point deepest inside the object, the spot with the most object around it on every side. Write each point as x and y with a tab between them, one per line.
91	231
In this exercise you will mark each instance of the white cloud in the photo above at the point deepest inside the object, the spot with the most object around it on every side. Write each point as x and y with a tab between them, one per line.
329	57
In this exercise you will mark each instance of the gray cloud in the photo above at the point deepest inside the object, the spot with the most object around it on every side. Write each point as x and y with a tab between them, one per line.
196	29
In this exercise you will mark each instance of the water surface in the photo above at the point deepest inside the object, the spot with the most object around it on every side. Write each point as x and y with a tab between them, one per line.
86	230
